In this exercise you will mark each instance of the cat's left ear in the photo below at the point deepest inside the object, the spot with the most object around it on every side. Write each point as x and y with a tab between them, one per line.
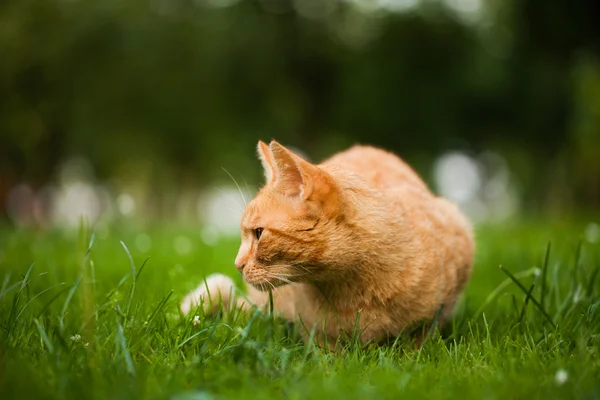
266	158
295	176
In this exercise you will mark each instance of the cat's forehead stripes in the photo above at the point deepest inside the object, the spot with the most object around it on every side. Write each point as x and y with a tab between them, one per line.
261	212
275	211
249	218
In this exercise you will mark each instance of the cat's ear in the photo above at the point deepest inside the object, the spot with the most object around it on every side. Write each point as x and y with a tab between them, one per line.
266	158
294	175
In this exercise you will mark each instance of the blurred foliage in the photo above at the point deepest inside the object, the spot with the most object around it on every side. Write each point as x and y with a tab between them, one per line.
166	92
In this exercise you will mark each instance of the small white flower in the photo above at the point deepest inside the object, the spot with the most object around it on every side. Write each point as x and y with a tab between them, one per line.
537	272
76	338
196	320
561	377
86	345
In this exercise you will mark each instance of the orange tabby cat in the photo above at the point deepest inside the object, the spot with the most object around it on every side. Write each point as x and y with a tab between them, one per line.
355	244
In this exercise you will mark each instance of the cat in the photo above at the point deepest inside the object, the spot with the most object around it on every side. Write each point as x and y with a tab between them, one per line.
357	244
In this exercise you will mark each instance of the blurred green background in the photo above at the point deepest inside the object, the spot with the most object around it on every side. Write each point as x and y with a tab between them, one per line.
124	109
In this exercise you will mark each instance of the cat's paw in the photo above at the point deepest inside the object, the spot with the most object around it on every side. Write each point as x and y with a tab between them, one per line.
217	288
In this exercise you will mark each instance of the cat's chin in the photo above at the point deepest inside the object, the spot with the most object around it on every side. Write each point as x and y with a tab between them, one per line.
265	286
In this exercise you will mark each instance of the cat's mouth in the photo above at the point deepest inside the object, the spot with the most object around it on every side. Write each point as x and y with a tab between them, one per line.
268	278
265	285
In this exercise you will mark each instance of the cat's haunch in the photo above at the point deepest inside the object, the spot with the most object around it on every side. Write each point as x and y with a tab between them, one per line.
358	233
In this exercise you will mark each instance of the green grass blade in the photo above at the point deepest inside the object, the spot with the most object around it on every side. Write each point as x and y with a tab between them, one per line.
90	244
137	276
12	315
36	296
180	345
5	282
134	275
544	274
52	300
499	289
44	336
590	289
121	342
538	305
161	305
68	301
525	302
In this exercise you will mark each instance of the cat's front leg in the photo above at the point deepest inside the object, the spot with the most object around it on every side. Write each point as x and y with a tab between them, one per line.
216	290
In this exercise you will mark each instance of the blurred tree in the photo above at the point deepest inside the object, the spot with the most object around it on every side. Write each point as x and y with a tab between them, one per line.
165	92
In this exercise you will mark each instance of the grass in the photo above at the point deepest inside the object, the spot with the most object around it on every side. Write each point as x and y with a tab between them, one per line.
83	315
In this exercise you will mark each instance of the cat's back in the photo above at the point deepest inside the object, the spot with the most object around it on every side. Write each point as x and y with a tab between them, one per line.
379	167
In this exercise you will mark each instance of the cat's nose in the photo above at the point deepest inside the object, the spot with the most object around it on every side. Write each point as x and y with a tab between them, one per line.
240	266
242	257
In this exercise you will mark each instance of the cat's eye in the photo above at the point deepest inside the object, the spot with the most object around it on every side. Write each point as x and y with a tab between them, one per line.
258	233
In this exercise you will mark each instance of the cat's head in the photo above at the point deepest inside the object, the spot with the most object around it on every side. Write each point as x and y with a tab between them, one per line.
288	226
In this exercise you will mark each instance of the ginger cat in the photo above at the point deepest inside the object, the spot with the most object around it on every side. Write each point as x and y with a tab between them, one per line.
356	240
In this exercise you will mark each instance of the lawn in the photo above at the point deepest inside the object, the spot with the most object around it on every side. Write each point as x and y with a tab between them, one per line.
88	315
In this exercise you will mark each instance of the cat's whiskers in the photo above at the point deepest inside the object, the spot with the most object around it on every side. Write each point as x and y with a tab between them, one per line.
275	276
245	184
278	277
296	275
237	204
308	272
272	286
236	184
284	277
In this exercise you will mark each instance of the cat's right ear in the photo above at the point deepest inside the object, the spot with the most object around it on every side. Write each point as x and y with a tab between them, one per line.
266	158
